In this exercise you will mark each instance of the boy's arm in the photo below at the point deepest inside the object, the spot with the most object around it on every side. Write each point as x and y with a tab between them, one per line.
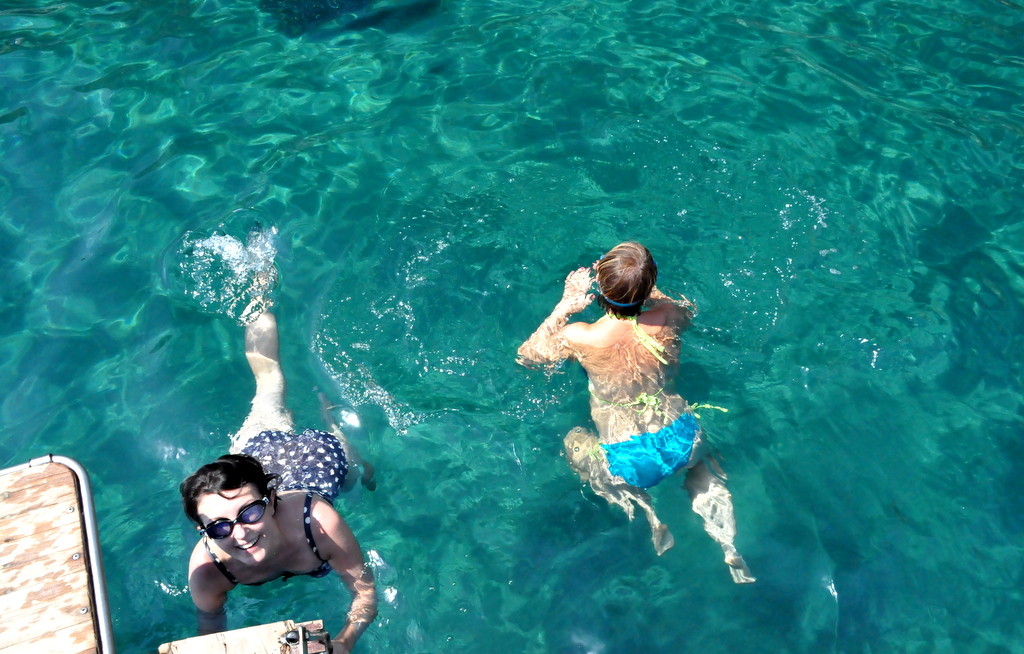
685	309
547	345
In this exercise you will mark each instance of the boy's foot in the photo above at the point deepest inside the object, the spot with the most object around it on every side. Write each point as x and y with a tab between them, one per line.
738	569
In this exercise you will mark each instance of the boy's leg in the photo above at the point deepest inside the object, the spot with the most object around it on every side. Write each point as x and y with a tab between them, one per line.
268	404
590	463
713	502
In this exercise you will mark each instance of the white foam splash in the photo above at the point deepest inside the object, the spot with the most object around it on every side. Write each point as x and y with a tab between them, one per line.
830	586
228	277
171	590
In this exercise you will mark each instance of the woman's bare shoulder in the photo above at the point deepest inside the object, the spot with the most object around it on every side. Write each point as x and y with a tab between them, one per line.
206	582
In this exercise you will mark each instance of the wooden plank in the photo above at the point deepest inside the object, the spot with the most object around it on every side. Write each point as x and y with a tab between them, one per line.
59	531
34	476
42	563
51	588
44	574
261	639
78	639
20	504
29	481
37	595
65	611
62	610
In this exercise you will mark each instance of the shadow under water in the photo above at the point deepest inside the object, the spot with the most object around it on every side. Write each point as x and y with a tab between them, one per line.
295	17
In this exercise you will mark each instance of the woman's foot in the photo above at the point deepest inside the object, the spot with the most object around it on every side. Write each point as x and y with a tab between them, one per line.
368	479
261	337
367	473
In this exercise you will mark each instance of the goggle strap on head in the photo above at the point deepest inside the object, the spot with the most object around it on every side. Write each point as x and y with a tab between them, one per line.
624	305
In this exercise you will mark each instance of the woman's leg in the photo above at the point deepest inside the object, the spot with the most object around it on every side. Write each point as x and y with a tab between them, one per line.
713	502
268	404
359	468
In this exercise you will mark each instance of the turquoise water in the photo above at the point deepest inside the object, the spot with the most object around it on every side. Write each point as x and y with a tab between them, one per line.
838	187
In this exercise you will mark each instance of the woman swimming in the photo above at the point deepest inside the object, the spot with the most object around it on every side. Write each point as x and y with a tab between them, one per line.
646	431
265	511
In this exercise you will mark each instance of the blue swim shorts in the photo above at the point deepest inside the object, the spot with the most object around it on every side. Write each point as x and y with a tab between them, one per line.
646	459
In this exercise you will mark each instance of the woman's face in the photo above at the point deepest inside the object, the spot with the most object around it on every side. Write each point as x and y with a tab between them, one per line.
246	542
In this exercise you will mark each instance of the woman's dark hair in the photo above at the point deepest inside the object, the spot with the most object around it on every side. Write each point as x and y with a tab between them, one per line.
626	276
229	472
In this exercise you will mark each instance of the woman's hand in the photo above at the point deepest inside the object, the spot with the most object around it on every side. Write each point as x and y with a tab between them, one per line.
577	295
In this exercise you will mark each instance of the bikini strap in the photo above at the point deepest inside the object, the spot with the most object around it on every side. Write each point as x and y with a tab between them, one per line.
220	564
307	517
653	346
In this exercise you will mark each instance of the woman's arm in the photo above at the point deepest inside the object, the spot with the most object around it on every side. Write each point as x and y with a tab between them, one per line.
209	590
547	345
338	545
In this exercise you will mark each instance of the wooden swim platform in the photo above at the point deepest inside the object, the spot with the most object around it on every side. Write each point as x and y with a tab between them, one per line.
286	637
52	590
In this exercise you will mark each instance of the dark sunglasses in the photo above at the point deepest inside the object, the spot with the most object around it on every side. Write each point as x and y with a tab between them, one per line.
249	514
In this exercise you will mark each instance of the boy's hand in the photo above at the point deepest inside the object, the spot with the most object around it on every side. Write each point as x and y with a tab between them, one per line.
577	295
